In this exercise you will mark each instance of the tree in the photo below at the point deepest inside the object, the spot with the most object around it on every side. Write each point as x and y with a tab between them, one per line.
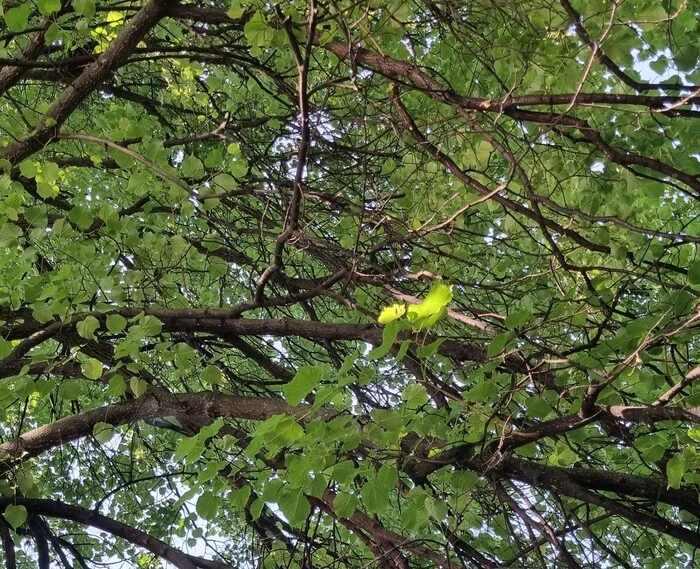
349	284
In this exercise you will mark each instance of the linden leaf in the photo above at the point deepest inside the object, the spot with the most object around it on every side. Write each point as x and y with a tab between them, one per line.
391	313
433	307
15	515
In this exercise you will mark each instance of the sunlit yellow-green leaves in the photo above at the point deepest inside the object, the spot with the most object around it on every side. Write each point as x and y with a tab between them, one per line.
391	313
422	315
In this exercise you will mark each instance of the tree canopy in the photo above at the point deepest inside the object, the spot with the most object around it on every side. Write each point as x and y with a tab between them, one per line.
333	284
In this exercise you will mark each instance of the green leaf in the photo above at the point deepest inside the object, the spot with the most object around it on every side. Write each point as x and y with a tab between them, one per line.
239	497
15	515
620	44
305	380
437	509
86	328
414	514
17	18
186	446
226	182
653	446
103	432
415	396
374	497
192	167
518	319
239	167
429	350
236	10
403	350
92	369
344	504
675	469
117	386
5	348
10	235
316	486
563	456
208	505
537	407
498	344
150	326
272	489
138	182
28	168
387	476
694	273
48	7
42	312
116	323
138	386
294	505
81	216
258	33
211	430
85	8
684	303
389	419
463	481
256	508
279	431
69	389
211	470
389	335
344	472
694	433
25	480
482	391
46	191
686	58
212	375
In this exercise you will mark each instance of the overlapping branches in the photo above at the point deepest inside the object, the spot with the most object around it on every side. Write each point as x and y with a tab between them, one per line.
203	220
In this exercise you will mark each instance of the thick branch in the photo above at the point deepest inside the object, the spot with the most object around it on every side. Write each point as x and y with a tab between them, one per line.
92	518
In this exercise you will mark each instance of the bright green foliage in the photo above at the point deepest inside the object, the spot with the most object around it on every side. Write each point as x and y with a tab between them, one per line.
349	284
431	309
424	314
391	313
